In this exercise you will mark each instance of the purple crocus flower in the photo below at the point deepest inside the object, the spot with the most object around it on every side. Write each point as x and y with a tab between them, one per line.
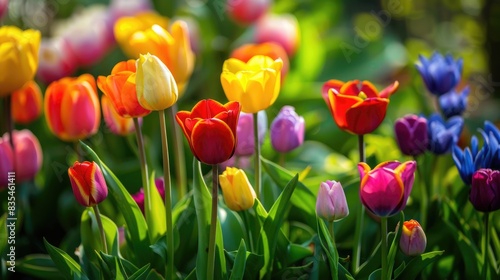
440	73
443	134
411	134
287	130
454	103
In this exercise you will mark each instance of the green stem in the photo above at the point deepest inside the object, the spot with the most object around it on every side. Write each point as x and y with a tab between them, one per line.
248	229
179	156
257	155
169	271
144	167
486	245
383	225
101	228
78	150
332	233
213	224
423	195
356	250
282	159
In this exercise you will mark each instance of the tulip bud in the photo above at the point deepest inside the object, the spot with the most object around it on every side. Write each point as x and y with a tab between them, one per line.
411	134
454	103
156	87
331	203
485	191
237	190
413	239
87	182
245	146
443	134
287	130
439	73
26	103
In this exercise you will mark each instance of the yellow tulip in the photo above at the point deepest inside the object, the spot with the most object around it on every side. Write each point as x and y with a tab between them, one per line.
255	84
147	33
237	190
155	85
18	57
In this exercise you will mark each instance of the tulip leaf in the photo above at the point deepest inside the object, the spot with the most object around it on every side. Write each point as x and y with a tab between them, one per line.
135	221
371	264
38	265
417	264
297	252
471	259
329	247
155	214
203	203
302	197
239	262
395	245
270	231
141	274
376	274
66	265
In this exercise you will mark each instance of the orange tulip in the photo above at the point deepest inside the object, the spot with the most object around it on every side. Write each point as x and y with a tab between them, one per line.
26	103
72	107
121	89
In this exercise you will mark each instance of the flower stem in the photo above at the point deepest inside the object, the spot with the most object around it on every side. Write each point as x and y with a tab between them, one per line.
383	226
356	251
213	224
332	233
179	156
257	155
101	229
282	159
79	152
423	195
144	166
484	272
169	271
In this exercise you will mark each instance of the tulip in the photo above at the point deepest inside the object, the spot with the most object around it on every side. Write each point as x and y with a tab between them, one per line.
282	29
4	5
147	33
87	182
270	49
357	108
485	191
28	155
440	74
411	134
210	129
255	84
385	189
454	103
156	87
443	135
18	57
246	11
287	130
120	87
116	123
72	108
331	203
56	60
245	146
237	190
139	196
413	239
26	103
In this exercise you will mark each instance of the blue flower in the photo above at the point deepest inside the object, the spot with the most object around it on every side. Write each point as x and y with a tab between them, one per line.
443	135
471	159
440	74
454	103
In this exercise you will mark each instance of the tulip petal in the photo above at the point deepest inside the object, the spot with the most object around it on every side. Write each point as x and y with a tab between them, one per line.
212	141
381	192
350	88
369	89
334	84
364	117
339	104
388	91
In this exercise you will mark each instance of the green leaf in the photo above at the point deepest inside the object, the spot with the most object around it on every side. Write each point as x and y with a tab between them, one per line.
68	267
155	214
141	274
39	266
135	222
239	262
394	246
298	252
271	229
417	264
371	264
472	259
302	197
400	269
375	275
330	250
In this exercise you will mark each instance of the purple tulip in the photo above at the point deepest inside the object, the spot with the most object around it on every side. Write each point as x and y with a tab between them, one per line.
454	103
413	240
411	134
331	203
139	196
485	191
440	74
287	130
244	133
385	189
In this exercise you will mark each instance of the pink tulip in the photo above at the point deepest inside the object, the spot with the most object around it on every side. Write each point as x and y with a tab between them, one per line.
246	11
331	203
385	189
56	60
282	29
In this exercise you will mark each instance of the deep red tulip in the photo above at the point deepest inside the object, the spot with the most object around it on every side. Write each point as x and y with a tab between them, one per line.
210	129
87	181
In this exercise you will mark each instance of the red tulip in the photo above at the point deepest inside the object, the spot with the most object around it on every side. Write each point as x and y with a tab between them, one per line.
26	103
87	182
210	129
357	107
